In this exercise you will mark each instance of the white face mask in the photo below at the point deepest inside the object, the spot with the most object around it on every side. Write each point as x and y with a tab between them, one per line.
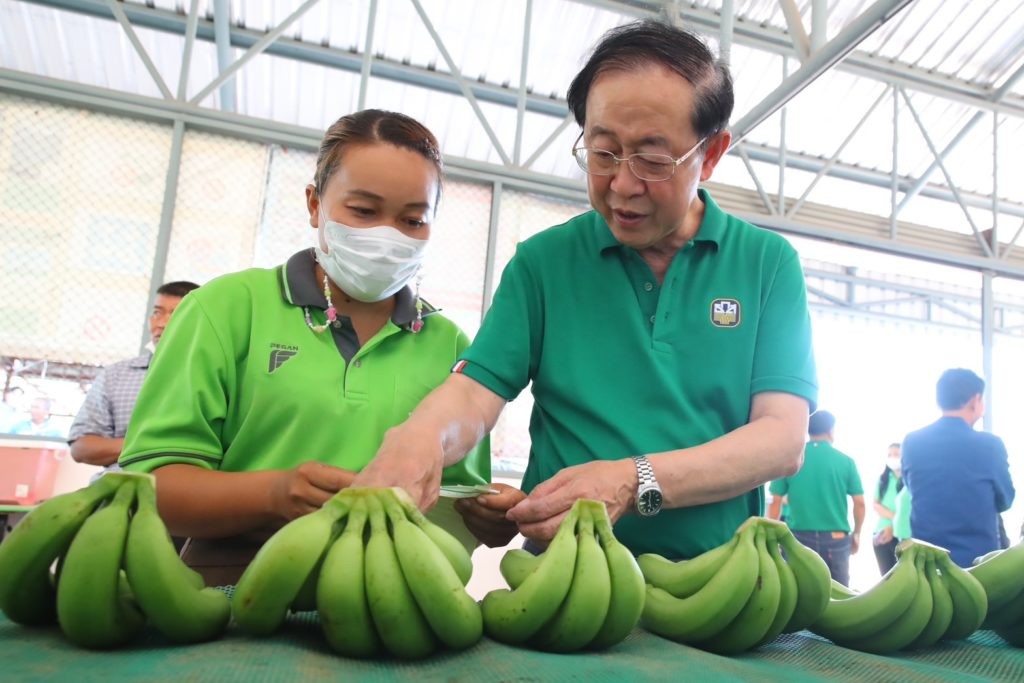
369	264
894	464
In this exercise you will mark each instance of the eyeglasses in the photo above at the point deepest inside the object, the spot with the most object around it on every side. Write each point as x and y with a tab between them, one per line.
644	165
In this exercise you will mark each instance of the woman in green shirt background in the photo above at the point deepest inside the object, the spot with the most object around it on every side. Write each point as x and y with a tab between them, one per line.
889	486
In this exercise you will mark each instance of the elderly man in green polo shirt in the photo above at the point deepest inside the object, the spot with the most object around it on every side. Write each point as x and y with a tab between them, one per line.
668	343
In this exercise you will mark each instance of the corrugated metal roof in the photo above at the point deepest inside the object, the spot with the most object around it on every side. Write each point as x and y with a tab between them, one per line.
975	42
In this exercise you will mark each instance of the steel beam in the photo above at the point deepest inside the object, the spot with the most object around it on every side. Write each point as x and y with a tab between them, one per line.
186	54
222	38
364	71
828	56
163	236
795	26
140	50
253	51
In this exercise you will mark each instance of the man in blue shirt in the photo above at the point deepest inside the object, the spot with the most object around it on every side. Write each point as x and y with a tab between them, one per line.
958	478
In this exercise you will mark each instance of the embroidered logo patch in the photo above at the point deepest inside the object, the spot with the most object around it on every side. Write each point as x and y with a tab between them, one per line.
459	366
279	354
725	312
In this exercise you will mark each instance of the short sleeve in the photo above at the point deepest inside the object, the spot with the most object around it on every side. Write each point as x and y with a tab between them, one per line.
179	415
854	486
783	356
96	415
505	353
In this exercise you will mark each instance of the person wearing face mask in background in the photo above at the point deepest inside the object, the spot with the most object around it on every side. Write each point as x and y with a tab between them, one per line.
886	491
274	387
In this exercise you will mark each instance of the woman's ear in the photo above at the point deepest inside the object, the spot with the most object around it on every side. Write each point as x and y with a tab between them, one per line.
313	205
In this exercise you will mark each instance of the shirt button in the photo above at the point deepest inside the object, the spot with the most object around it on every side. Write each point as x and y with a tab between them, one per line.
358	363
652	319
648	286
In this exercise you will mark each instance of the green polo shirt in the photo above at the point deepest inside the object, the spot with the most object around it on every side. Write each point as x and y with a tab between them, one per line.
622	366
240	383
901	522
818	492
887	499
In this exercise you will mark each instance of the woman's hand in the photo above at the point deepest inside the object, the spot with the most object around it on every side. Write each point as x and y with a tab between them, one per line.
306	488
485	515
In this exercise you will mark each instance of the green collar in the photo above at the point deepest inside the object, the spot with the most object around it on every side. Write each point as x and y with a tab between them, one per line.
711	231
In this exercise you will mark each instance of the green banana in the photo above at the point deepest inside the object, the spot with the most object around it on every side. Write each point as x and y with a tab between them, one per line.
813	580
755	619
970	604
864	615
683	579
585	607
453	549
787	590
908	626
627	582
1001	574
516	564
27	593
305	599
1007	614
275	576
986	557
163	585
942	608
714	606
841	592
513	616
91	605
452	614
400	622
341	591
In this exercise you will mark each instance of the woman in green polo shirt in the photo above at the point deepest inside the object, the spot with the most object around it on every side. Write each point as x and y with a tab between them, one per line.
274	387
888	487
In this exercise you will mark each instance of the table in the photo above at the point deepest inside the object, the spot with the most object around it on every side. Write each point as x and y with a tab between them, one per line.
298	653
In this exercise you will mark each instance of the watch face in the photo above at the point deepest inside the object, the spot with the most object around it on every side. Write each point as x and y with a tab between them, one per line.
649	502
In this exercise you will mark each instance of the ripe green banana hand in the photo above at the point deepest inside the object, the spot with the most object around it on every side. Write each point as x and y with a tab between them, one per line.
861	616
513	616
970	604
272	580
906	628
452	614
453	549
813	580
787	589
942	608
516	564
1001	575
627	582
683	579
399	621
709	610
163	585
90	605
585	607
27	594
752	623
341	591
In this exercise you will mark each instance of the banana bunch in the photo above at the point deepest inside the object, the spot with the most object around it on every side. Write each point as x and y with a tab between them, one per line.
737	596
1001	574
383	578
116	567
584	591
924	598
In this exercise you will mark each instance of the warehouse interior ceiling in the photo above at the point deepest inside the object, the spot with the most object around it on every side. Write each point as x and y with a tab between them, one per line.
919	104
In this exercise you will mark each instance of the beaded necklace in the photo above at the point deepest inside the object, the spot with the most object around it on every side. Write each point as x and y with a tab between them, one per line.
332	312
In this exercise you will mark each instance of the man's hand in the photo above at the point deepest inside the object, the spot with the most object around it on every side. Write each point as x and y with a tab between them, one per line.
854	543
485	515
307	487
409	461
613	482
884	536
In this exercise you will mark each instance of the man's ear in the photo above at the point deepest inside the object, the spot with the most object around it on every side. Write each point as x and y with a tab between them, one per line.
717	148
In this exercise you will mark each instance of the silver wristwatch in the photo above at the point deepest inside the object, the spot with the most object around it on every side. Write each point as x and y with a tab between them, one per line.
648	493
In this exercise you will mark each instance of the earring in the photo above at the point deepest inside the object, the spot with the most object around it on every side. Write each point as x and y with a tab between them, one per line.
417	324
